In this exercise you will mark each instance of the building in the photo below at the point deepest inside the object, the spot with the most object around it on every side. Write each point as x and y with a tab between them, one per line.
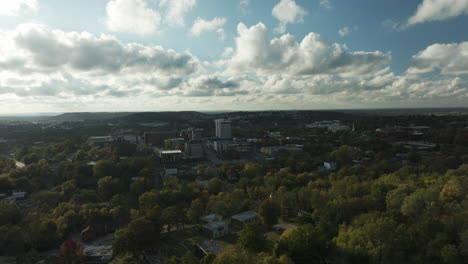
223	128
221	146
329	166
170	156
211	218
174	142
100	140
208	247
157	138
275	151
215	229
241	220
194	149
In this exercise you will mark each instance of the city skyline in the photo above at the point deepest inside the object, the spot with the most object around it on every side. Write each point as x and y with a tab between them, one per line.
160	55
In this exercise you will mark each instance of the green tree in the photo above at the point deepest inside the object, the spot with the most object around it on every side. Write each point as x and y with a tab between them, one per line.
251	238
343	155
304	245
381	239
104	168
269	212
109	186
140	234
9	213
12	240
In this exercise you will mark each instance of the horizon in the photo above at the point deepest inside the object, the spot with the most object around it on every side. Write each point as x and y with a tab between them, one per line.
229	111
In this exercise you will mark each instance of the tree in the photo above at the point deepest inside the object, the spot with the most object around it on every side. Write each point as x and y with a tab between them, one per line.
251	238
71	253
12	240
343	155
378	238
103	168
109	186
9	213
43	234
149	199
269	212
304	245
215	186
140	234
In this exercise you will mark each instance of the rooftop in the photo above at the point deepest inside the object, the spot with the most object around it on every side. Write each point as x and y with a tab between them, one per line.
165	152
211	217
245	216
215	225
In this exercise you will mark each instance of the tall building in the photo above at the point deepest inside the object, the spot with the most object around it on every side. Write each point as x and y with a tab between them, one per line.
223	128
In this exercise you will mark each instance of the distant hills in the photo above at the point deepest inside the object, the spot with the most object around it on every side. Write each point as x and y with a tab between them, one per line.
149	117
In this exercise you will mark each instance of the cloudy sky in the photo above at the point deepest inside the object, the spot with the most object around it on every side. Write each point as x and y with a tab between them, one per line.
151	55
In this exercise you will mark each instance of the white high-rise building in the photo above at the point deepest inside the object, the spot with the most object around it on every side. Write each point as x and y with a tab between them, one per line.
223	128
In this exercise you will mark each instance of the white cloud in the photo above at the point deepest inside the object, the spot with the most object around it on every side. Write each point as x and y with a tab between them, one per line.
228	51
37	61
133	16
216	24
325	4
438	10
14	7
255	52
346	31
244	3
449	59
287	12
177	10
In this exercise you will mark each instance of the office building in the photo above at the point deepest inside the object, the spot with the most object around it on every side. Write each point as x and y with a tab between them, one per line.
223	128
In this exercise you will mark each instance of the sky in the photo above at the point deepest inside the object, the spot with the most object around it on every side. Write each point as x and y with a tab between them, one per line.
175	55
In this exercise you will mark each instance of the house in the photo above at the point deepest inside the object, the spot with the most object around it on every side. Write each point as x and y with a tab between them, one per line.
215	229
329	166
211	218
241	220
170	156
208	247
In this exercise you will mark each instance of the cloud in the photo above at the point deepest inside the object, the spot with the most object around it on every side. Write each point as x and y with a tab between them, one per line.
287	12
132	16
255	52
50	50
15	7
176	10
326	4
392	25
213	85
449	59
346	31
201	25
228	51
35	60
438	10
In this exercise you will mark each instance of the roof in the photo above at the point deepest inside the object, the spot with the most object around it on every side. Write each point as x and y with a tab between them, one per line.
171	152
210	246
101	252
98	139
211	217
245	216
215	225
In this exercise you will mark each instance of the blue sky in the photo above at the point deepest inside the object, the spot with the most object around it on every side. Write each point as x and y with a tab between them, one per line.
105	55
